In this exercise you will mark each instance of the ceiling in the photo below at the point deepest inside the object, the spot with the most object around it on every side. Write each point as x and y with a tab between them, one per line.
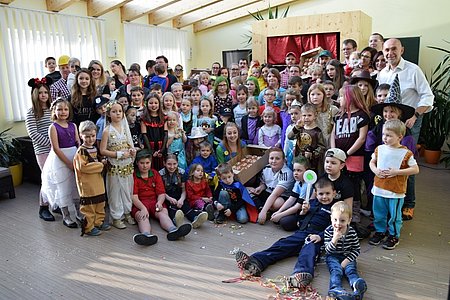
202	14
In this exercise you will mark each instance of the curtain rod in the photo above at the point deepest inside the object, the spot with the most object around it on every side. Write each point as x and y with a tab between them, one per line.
49	12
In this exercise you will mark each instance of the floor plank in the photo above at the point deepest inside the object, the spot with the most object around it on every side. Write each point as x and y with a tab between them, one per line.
46	260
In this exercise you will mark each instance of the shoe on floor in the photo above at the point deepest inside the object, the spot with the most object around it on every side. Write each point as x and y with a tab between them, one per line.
145	239
104	227
69	223
200	219
130	220
248	264
391	242
359	288
210	210
119	224
94	232
221	218
300	280
377	238
407	213
57	210
44	214
180	232
179	218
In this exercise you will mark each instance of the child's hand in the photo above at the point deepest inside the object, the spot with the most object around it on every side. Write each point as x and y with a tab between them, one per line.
159	207
141	215
262	217
276	216
379	173
337	234
314	238
344	263
172	201
155	154
207	200
308	155
305	208
390	173
70	166
227	212
132	152
180	203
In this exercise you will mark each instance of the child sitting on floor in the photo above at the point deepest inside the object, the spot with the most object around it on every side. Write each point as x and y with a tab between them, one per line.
231	197
148	200
342	248
304	243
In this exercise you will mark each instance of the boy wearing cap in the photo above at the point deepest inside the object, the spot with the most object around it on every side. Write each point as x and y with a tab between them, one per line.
88	174
225	116
290	59
324	57
59	88
333	165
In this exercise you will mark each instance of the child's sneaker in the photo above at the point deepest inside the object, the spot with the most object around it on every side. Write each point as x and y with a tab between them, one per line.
300	280
210	210
377	238
248	264
200	219
221	218
391	242
145	239
94	232
130	220
104	227
407	213
180	232
359	288
119	224
179	218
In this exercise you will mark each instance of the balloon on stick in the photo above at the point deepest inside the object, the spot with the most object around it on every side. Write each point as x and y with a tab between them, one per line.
310	177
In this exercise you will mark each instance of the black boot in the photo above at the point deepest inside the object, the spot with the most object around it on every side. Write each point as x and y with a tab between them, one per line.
45	214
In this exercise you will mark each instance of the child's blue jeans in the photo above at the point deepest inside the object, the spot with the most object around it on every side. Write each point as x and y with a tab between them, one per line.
337	272
241	213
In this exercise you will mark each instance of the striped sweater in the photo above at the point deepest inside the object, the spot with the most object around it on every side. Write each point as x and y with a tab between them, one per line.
348	245
38	131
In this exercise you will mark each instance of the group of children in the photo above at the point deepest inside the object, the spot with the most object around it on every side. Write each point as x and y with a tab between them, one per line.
166	156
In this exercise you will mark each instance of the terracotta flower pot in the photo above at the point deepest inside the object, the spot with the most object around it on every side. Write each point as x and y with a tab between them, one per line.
432	156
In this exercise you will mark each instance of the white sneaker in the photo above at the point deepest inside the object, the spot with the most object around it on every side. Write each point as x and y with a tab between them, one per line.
179	218
200	219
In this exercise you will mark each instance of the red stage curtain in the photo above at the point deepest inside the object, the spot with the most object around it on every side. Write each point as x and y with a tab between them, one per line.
277	47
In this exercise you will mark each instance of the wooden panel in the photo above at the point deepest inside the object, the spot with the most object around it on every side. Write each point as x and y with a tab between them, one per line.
58	5
177	9
354	24
209	12
236	14
138	8
97	8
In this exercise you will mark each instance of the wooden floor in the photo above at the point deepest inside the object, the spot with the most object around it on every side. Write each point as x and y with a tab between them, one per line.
46	260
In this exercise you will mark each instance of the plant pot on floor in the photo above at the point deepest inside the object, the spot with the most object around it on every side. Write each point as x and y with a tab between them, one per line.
17	174
432	156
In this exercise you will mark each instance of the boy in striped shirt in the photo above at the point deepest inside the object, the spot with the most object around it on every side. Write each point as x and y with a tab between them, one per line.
342	248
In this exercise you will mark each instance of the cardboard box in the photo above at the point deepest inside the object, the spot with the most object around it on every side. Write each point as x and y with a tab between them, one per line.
245	175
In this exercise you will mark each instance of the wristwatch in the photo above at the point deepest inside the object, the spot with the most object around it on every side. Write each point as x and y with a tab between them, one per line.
417	114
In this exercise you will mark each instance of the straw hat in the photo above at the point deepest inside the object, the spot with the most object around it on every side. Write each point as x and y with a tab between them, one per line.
197	132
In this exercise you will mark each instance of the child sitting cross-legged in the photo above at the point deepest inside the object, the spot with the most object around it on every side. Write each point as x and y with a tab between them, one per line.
305	243
198	192
230	196
342	248
148	200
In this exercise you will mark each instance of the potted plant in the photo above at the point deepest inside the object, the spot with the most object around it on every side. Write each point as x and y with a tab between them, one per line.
10	154
436	124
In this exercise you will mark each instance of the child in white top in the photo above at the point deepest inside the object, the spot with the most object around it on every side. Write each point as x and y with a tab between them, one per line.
269	135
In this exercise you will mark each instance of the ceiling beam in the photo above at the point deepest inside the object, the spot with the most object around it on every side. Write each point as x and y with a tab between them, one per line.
177	9
96	8
139	8
238	13
58	5
210	11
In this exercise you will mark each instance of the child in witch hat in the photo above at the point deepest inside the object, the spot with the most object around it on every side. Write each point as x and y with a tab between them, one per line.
392	108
